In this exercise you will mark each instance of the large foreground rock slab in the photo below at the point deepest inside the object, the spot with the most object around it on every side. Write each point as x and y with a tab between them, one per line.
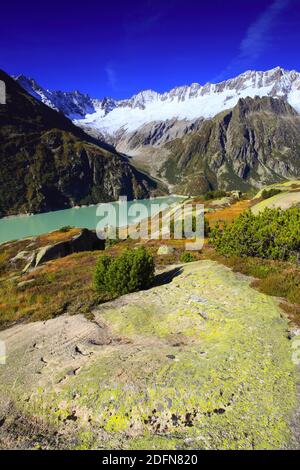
203	362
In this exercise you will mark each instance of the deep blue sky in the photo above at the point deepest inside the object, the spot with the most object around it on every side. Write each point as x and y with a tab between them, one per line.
116	48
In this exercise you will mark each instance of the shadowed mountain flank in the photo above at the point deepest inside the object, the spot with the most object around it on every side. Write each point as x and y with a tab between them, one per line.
47	163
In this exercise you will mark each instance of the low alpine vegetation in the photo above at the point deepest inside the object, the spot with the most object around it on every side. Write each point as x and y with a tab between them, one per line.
65	229
272	234
216	194
187	257
131	271
267	193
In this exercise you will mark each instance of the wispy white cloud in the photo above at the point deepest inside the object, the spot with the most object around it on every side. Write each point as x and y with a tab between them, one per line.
254	42
111	76
256	39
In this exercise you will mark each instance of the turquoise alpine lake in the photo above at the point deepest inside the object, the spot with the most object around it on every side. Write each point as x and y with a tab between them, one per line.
114	214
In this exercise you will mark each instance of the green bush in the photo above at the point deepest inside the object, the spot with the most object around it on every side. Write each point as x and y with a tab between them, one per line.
216	194
66	228
187	257
267	193
133	270
272	234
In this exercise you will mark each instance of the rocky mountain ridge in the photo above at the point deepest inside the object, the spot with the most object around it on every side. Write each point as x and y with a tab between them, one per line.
254	144
113	117
238	134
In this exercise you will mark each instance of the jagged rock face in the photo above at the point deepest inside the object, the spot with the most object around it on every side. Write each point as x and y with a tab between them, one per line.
47	163
155	134
72	104
255	143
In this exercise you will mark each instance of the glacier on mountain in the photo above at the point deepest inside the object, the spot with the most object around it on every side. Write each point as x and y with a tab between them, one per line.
110	116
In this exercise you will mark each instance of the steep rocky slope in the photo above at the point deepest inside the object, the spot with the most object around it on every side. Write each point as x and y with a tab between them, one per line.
255	143
47	163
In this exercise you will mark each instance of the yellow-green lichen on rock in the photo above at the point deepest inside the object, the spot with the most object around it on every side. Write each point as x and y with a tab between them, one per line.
202	362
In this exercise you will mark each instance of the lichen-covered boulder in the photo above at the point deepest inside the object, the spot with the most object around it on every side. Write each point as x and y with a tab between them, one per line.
203	362
86	240
165	250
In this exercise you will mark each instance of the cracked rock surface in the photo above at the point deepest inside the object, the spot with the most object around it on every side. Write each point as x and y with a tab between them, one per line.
202	362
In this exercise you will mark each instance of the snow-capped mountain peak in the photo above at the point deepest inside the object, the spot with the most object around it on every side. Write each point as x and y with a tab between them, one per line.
74	105
142	99
187	102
